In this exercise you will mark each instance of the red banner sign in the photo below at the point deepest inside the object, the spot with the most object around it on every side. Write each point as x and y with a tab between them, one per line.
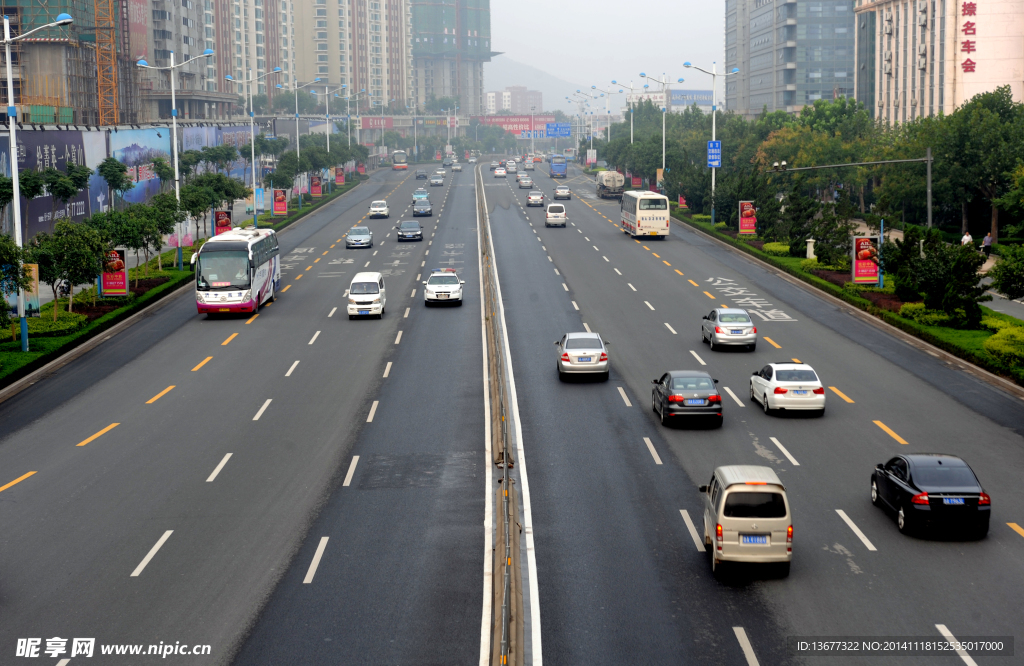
221	221
339	175
316	188
280	202
378	122
748	218
637	181
865	260
115	274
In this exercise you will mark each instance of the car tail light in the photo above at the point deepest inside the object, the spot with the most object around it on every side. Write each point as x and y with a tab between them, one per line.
820	390
779	390
754	331
718	329
789	539
984	499
604	357
715	398
675	398
920	498
565	357
719	537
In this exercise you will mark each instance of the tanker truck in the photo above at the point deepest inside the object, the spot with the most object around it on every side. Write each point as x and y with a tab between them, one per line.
610	184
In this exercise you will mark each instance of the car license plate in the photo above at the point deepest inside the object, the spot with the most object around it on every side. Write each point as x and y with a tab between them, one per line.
225	309
364	312
442	295
735	332
952	500
584	359
799	392
695	401
654	233
761	539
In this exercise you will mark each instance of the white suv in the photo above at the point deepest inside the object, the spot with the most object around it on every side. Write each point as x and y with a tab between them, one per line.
379	209
555	216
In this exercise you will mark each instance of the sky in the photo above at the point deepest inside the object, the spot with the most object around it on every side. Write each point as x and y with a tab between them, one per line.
596	41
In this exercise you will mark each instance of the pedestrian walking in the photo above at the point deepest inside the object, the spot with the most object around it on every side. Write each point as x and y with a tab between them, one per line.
986	245
967	239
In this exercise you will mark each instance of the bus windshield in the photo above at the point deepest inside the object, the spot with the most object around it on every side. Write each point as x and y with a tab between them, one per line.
558	160
399	158
654	204
222	270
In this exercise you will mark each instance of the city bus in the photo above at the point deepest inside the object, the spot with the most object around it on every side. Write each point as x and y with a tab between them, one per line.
558	168
644	213
399	160
237	271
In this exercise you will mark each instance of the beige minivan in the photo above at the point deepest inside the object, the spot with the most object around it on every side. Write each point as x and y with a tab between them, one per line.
747	518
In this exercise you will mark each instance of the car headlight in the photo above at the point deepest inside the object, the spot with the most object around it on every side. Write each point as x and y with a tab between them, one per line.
201	297
376	300
352	301
247	296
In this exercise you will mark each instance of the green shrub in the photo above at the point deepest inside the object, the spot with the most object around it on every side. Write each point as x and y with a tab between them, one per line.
719	225
808	265
45	326
995	324
1007	345
1008	273
706	219
776	249
919	313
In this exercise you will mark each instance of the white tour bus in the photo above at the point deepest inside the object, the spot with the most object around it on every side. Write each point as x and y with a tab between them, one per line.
237	271
644	213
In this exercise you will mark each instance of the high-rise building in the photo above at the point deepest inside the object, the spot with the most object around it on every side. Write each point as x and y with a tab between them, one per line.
362	44
451	41
921	57
789	53
514	99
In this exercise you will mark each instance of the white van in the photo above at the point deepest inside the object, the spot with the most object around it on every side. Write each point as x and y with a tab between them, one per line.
747	518
367	295
555	215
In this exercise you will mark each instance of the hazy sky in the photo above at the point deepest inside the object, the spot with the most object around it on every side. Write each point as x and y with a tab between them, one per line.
595	41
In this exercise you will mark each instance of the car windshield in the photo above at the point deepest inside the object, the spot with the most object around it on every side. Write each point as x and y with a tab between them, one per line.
364	288
359	231
536	194
654	204
731	318
754	505
379	204
222	270
422	204
558	160
556	209
945	476
443	279
692	384
796	376
562	188
411	225
583	343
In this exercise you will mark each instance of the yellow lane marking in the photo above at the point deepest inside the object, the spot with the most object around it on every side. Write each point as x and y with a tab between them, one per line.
99	434
693	283
202	363
286	289
308	267
325	252
253	318
723	305
314	261
679	271
711	296
332	247
890	432
772	342
160	395
299	276
636	240
645	247
338	241
656	254
25	476
664	262
1013	526
840	394
796	360
230	338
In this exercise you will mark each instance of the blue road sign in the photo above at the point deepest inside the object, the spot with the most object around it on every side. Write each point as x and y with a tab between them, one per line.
558	130
714	154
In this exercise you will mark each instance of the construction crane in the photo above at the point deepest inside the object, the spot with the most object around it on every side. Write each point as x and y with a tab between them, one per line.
106	60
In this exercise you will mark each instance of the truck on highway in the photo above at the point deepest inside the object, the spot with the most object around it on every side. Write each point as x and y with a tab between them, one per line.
610	184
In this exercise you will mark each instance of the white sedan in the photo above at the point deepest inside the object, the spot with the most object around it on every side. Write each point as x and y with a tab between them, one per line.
499	172
789	386
443	286
379	209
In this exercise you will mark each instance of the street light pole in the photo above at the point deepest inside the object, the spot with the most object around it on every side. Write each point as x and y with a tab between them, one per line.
714	113
12	122
631	89
252	137
532	108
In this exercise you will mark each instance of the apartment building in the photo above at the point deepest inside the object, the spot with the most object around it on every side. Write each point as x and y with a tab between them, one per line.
789	53
921	57
451	41
514	100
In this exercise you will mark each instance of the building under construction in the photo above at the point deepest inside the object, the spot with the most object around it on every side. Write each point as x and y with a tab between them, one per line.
73	75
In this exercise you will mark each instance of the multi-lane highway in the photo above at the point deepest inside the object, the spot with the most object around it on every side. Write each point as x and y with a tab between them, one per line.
301	488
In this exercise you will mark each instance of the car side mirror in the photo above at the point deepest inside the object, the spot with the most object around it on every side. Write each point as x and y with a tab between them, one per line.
654	381
424	282
462	282
704	317
715	380
702	489
195	255
556	342
755	373
607	342
879	466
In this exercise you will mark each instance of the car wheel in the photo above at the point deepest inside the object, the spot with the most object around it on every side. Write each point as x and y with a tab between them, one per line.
561	375
703	336
717	568
719	420
752	391
654	403
273	293
707	538
661	413
784	570
351	317
903	522
820	413
875	499
767	409
604	375
711	343
752	347
460	302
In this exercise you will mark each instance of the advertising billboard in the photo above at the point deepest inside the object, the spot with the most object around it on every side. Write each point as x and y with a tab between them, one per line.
51	149
221	221
748	218
280	202
865	260
136	149
261	201
114	281
377	122
316	187
518	123
137	27
31	295
339	175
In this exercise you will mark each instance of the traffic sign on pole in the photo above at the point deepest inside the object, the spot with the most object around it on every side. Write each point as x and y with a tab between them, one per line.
558	130
714	154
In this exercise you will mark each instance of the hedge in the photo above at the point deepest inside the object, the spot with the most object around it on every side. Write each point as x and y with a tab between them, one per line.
968	345
1007	345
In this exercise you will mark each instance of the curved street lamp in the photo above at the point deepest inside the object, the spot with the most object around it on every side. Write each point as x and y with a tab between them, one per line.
252	134
714	113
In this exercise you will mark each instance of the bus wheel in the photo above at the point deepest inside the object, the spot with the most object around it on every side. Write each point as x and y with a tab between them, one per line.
273	293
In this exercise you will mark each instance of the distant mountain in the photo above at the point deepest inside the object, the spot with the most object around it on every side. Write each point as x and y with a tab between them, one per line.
502	72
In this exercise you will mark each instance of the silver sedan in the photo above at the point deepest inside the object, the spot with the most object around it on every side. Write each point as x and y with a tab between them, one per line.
729	326
582	353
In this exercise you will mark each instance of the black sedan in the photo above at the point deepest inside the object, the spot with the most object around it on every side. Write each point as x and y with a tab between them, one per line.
686	393
422	207
932	490
421	174
409	230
